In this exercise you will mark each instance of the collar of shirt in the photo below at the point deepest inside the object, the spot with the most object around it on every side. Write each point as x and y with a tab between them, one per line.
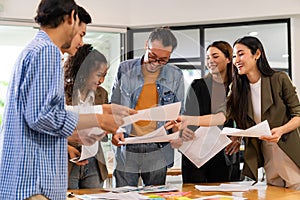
89	100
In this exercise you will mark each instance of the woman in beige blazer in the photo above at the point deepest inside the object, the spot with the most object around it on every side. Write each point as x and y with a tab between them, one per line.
259	93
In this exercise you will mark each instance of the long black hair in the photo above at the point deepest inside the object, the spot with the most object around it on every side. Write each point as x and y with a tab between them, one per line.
237	103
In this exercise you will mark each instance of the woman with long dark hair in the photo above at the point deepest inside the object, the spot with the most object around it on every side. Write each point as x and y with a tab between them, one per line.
205	95
259	93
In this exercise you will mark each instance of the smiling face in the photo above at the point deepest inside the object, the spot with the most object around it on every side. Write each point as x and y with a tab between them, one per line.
216	61
96	77
156	56
244	60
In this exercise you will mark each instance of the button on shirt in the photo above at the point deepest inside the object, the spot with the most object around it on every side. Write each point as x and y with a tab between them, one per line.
35	125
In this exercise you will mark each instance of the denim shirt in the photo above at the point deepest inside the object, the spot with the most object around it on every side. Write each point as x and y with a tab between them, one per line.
129	83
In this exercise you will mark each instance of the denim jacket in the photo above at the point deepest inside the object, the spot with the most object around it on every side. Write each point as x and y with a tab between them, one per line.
129	83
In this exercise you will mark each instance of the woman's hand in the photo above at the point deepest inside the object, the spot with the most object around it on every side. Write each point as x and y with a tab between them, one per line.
234	146
119	110
184	135
176	144
73	153
275	137
187	134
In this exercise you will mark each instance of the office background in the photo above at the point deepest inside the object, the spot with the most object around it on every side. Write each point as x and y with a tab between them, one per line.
144	14
119	30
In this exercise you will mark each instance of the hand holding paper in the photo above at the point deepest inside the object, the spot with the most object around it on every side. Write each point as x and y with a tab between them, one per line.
159	135
207	143
160	113
258	130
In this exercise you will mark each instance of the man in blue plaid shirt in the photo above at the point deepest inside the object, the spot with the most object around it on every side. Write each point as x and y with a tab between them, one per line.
33	138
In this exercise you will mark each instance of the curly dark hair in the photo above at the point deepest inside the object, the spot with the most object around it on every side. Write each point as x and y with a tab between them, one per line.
78	68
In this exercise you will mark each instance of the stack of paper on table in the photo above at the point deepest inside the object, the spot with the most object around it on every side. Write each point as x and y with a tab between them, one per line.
227	187
221	197
113	196
145	189
258	130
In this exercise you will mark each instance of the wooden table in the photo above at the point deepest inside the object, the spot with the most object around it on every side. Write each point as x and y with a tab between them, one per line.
270	193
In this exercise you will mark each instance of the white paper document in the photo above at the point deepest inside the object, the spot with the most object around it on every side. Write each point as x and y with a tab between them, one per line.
216	197
258	130
87	151
207	142
113	196
159	135
228	187
91	150
160	113
97	109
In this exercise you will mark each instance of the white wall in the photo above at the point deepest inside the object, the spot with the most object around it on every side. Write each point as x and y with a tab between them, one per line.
139	13
144	13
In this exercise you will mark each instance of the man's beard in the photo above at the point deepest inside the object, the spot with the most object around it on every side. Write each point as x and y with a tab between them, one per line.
67	45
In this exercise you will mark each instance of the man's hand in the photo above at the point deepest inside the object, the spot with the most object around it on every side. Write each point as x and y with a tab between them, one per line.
73	153
119	110
173	124
117	138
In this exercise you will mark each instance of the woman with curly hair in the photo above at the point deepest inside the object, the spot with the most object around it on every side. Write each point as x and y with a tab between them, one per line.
84	72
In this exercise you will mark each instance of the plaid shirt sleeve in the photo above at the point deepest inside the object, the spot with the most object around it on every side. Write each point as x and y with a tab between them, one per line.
44	107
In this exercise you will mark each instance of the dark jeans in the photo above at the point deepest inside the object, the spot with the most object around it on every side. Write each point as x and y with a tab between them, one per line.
86	176
141	160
